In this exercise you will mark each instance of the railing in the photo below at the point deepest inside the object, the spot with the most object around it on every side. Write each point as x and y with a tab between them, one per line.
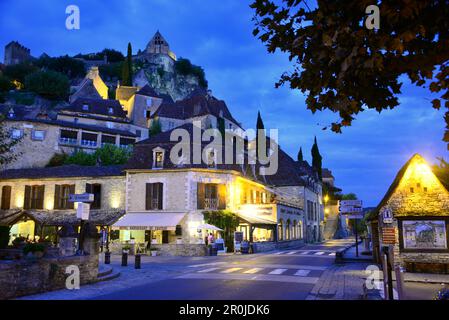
88	143
211	203
68	140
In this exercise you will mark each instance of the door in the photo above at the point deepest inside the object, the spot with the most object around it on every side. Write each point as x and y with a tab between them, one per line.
165	236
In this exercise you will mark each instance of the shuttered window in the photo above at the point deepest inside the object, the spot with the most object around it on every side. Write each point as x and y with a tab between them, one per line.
95	189
34	197
6	198
62	196
211	196
154	196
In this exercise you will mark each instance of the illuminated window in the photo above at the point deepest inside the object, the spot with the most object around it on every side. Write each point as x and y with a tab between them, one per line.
16	133
158	159
85	107
38	135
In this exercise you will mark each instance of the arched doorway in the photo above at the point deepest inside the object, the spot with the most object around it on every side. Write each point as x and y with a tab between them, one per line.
281	230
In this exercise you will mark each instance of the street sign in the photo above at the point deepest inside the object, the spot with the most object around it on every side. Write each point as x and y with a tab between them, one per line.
354	216
348	209
350	203
82	212
387	215
83	197
388	236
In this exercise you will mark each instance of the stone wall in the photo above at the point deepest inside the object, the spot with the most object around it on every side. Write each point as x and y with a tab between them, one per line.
180	249
26	277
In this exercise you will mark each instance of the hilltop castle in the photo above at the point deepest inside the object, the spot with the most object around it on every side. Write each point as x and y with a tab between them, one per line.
16	53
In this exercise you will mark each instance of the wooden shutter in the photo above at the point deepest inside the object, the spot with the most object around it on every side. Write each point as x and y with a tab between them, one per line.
6	197
57	203
27	198
40	197
160	188
88	188
200	195
221	196
71	205
97	196
148	195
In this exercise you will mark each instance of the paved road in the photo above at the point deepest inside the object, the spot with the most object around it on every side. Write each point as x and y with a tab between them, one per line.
287	274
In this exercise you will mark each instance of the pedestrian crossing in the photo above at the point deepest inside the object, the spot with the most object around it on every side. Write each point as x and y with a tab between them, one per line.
315	253
289	273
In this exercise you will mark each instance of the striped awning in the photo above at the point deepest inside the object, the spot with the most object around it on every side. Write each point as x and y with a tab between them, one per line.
149	221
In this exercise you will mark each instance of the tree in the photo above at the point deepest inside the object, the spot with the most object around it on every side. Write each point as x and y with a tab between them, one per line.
127	68
48	84
155	127
349	196
185	67
317	159
300	156
7	154
18	72
347	68
71	67
112	55
259	126
107	155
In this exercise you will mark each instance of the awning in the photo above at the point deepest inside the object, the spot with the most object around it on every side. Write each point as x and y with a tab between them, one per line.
255	220
209	227
149	221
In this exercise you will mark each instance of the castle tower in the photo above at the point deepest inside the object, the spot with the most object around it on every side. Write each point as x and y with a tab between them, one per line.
158	45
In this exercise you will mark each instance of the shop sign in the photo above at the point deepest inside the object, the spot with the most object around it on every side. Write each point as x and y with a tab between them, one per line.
388	236
83	197
82	212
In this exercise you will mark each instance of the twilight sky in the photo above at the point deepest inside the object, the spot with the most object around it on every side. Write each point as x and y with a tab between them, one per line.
217	36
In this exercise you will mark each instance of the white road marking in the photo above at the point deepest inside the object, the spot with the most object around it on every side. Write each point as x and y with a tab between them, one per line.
332	254
319	253
253	270
278	271
230	270
292	252
205	264
302	273
250	277
278	252
306	252
208	270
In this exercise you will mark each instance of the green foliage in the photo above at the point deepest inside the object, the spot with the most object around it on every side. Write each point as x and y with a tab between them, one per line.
347	68
185	67
441	170
5	84
107	155
226	220
7	153
19	71
71	67
317	159
4	236
112	70
300	156
33	247
349	196
57	160
161	72
112	55
48	84
155	127
20	97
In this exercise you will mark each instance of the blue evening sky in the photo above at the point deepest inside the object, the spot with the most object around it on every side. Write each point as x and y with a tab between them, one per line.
217	36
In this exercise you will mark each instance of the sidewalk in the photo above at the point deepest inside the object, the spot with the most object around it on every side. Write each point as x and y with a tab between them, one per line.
350	255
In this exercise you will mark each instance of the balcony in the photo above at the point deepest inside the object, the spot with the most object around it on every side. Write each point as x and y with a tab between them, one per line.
210	204
69	141
89	143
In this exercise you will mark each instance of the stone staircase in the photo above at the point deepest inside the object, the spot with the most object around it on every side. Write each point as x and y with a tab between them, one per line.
106	273
330	227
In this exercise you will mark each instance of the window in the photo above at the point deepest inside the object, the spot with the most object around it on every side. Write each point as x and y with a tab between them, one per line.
89	139
6	198
34	197
154	196
125	142
62	196
139	133
111	110
158	159
68	136
94	188
16	133
109	125
211	196
38	135
211	163
85	107
147	114
105	139
280	230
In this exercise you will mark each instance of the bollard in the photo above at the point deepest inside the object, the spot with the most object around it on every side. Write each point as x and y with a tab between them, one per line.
399	271
107	257
137	261
124	259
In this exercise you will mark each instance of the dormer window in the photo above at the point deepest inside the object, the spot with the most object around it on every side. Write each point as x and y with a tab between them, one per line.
110	110
149	102
85	107
158	158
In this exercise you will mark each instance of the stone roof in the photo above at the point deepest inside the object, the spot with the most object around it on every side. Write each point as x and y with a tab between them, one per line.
125	92
97	106
150	92
61	217
65	171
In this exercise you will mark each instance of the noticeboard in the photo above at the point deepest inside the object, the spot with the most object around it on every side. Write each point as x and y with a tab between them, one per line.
388	235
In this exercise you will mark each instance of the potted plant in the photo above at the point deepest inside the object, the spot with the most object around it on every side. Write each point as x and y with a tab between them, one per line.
126	248
35	250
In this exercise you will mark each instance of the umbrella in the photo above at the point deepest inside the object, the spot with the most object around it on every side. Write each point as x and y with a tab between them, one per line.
209	227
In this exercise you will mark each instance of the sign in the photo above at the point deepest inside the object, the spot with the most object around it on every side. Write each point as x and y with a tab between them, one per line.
347	209
83	197
354	216
387	215
82	212
350	206
350	203
238	236
388	235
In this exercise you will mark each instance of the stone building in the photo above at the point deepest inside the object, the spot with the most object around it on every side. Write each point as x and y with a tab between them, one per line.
16	53
92	86
413	217
158	52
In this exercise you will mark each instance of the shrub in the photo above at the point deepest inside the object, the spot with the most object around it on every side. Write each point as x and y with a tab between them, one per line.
185	67
107	155
33	247
48	84
57	160
18	241
5	84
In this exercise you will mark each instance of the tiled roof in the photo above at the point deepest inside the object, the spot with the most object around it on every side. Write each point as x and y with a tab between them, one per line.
150	92
62	172
97	106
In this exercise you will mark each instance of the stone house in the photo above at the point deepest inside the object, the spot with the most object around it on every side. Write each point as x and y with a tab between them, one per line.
34	202
92	86
413	218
